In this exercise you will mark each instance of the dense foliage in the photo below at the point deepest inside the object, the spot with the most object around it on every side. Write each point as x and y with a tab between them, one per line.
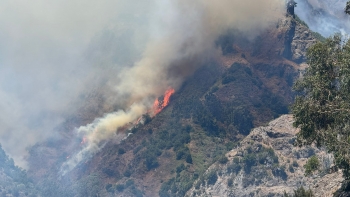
322	106
311	165
13	180
301	192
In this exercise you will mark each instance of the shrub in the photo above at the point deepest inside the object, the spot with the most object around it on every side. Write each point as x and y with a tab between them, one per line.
235	167
151	162
291	169
120	187
311	165
223	159
121	151
212	177
295	164
189	158
230	182
127	173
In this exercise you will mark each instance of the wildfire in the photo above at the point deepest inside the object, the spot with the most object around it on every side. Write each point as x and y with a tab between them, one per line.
159	105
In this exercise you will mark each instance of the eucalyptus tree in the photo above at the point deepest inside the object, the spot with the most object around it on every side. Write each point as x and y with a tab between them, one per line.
322	106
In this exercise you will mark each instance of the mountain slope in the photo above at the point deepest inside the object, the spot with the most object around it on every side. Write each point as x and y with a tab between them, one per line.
14	180
266	163
246	86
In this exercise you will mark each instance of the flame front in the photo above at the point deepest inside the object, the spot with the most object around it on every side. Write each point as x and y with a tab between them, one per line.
158	106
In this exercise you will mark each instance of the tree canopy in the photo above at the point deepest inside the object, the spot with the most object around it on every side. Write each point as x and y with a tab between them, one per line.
322	107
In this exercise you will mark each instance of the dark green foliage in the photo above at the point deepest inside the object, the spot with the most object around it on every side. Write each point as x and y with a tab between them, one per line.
127	173
344	190
291	169
136	192
226	44
255	177
151	162
212	177
295	164
311	165
87	186
249	160
230	182
146	118
280	172
275	102
265	155
189	159
228	79
230	146
166	186
176	187
150	155
180	168
14	178
318	36
121	151
120	187
110	172
300	192
234	167
223	159
108	187
321	109
347	8
182	152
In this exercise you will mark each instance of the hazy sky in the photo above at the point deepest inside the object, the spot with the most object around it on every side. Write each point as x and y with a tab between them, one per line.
324	16
53	52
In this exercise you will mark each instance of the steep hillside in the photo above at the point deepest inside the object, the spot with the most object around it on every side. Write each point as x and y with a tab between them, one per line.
13	180
266	163
246	85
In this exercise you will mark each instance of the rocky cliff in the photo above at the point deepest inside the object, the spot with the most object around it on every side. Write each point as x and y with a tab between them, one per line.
266	163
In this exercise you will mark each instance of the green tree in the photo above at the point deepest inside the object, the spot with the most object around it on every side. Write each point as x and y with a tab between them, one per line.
322	107
347	8
311	165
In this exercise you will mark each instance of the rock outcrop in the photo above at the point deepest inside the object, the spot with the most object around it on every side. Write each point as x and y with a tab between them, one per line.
266	163
298	38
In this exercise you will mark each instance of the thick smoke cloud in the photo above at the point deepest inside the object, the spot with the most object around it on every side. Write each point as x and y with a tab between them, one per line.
182	30
54	52
324	16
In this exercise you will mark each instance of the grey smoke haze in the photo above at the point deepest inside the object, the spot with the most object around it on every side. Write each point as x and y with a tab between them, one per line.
53	52
324	16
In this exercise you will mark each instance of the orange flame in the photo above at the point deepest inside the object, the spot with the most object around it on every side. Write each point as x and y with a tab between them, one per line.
158	106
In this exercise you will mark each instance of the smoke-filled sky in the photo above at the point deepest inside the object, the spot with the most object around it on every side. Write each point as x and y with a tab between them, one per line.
53	52
324	16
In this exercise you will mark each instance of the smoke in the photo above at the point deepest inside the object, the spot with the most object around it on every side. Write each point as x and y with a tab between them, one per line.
181	30
53	53
323	16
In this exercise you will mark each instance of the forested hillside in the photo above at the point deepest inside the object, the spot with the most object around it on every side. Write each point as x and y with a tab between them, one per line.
14	180
246	86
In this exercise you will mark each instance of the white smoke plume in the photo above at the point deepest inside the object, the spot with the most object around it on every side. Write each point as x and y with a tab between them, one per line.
183	30
54	52
324	16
